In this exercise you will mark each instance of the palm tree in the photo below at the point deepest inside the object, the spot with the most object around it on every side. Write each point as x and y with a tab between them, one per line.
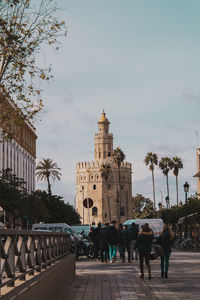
46	169
105	171
119	157
165	165
176	165
151	160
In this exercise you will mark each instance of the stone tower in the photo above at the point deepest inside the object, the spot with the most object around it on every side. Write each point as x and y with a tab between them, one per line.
104	193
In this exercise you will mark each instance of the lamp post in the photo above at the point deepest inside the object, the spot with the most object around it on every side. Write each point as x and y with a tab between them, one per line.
167	201
160	206
186	190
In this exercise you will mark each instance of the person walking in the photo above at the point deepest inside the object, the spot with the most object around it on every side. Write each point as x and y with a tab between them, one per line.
126	235
165	240
112	240
143	245
134	234
104	250
96	238
120	239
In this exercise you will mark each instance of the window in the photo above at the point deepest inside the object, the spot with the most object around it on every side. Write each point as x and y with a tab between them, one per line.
94	211
109	187
122	187
91	177
94	187
122	213
105	215
97	177
123	177
109	154
82	188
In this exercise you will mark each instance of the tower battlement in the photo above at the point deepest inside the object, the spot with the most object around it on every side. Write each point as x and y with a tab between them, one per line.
97	164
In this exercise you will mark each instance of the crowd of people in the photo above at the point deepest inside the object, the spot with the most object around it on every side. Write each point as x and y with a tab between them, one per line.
109	238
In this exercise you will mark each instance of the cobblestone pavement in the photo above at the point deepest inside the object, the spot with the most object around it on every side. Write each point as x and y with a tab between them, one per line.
101	281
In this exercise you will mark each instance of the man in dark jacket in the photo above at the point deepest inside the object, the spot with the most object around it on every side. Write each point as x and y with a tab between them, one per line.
96	238
143	244
112	240
104	250
134	234
120	239
126	234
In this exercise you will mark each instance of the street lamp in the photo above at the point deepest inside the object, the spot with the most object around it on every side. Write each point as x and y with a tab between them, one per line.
167	201
186	190
160	205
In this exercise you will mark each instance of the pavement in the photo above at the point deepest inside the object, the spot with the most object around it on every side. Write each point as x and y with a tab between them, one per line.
120	281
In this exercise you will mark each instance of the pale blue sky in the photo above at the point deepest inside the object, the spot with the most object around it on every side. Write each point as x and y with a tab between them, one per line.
139	60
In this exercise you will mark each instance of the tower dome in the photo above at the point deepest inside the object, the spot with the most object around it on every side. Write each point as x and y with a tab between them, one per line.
103	118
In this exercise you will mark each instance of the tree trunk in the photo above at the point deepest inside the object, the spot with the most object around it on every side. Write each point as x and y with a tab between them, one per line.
154	198
49	185
177	189
108	202
168	188
119	193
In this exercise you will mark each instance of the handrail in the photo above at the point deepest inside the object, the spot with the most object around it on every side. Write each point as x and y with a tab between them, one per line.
23	252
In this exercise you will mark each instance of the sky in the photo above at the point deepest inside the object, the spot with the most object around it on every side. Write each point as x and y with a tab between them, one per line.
139	61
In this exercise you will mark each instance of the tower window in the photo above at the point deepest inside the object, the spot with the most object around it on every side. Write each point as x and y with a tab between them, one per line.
122	187
109	187
91	177
109	154
105	215
94	211
94	187
123	177
97	177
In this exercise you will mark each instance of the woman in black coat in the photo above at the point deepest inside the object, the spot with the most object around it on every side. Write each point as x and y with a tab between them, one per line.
165	240
143	245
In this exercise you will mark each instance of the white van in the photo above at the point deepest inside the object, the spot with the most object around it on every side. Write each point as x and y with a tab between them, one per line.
55	227
155	224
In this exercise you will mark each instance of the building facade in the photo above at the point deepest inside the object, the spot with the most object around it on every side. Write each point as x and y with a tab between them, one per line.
105	194
18	153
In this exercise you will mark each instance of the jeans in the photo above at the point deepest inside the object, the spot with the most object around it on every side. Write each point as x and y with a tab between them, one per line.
164	262
103	250
112	251
124	247
144	255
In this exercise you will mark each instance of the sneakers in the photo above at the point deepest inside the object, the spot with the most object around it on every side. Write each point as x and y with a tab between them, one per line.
113	260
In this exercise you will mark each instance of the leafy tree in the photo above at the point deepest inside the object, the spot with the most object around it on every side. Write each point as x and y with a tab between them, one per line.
151	160
176	164
46	169
24	28
143	207
119	157
12	195
165	165
105	171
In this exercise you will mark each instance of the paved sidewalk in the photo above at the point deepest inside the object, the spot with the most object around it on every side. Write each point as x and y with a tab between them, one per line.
101	281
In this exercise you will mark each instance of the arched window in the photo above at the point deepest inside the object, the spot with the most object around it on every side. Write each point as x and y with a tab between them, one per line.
91	177
94	211
94	187
122	212
97	177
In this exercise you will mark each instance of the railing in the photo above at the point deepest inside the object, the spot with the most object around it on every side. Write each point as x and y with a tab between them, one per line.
22	252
